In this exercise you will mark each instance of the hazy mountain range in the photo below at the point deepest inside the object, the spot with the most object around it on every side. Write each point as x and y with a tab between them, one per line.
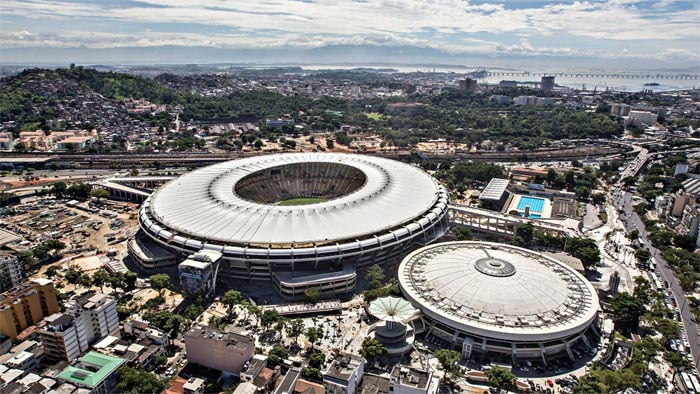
331	54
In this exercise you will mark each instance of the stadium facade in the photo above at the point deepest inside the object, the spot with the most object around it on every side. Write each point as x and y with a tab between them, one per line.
352	211
500	302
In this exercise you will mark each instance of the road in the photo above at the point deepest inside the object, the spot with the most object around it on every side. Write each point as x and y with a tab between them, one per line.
631	220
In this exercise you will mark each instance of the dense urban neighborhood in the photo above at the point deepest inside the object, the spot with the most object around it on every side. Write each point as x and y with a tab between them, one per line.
216	229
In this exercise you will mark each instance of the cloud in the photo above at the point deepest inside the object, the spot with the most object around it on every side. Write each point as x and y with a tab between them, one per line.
455	26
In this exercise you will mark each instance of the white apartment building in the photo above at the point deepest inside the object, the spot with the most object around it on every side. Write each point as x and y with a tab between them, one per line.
10	272
66	336
344	374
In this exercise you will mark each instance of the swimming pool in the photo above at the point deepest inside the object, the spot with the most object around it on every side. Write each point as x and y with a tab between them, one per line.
536	204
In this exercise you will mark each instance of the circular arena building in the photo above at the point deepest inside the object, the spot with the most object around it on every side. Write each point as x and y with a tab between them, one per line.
302	220
499	302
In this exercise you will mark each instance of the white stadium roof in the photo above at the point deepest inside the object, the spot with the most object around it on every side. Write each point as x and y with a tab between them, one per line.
498	291
204	205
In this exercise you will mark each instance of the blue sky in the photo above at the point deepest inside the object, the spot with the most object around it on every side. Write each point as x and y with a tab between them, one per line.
650	30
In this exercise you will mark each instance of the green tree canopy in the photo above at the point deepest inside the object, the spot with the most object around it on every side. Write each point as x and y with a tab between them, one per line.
135	381
371	348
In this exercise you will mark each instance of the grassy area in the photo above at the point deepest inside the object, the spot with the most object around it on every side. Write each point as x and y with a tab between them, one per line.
374	115
301	201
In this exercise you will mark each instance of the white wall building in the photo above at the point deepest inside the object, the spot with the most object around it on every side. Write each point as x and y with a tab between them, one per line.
10	272
344	374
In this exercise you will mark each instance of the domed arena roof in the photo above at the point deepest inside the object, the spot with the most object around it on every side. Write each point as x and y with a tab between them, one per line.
498	290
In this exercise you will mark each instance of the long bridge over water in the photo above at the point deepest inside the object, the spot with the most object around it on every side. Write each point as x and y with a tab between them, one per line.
483	73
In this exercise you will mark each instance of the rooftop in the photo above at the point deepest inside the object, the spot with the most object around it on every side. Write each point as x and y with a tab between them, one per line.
207	204
231	338
409	376
494	289
495	189
343	366
91	369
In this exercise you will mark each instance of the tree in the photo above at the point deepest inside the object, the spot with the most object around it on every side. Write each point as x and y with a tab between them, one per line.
316	360
129	280
330	144
312	293
58	189
627	309
85	281
448	359
269	316
463	234
374	276
51	272
231	298
99	278
501	378
314	334
684	241
295	328
633	235
26	260
371	348
276	355
159	282
99	194
584	249
258	144
310	373
642	255
677	361
132	380
72	275
526	231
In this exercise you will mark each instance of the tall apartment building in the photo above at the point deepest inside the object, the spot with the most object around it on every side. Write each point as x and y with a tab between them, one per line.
68	335
63	337
25	305
620	109
467	85
10	272
547	83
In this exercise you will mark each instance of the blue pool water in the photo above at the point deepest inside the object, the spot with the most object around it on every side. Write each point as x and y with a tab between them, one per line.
536	205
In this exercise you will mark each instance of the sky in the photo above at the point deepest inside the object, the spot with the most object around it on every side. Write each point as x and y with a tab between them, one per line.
658	31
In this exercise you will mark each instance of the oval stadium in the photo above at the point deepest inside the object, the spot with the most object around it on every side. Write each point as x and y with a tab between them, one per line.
301	220
500	303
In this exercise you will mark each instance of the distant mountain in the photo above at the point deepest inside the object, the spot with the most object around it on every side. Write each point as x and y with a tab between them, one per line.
332	54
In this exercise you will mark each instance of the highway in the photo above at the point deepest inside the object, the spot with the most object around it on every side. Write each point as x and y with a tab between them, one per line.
631	220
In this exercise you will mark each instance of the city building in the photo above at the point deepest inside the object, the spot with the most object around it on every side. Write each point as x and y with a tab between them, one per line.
496	193
74	144
289	381
519	305
95	372
620	109
68	335
344	374
198	274
405	379
25	356
194	386
10	272
467	85
642	118
547	83
6	142
276	123
501	100
224	351
63	337
358	215
25	305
